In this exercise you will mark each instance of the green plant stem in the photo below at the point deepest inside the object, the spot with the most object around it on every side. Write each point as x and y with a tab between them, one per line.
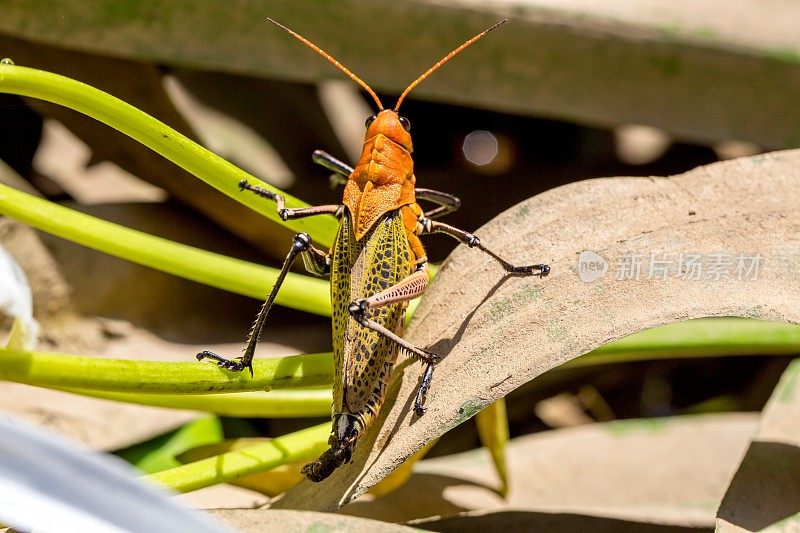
159	137
229	466
300	292
274	404
122	375
702	337
712	337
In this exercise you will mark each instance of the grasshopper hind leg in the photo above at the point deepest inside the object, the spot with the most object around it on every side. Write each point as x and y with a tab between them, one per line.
407	289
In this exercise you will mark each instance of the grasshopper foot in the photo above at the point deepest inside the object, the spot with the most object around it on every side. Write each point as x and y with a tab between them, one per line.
244	185
540	270
233	365
422	392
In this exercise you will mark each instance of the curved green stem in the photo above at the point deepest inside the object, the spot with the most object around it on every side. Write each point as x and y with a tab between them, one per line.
274	404
300	292
162	139
713	337
229	466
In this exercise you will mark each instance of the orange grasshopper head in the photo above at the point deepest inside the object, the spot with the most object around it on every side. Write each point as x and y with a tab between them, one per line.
388	122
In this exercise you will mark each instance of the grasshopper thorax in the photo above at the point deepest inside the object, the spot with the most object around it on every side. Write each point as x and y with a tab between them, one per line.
382	180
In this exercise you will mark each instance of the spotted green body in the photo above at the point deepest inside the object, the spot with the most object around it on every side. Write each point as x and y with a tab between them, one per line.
363	358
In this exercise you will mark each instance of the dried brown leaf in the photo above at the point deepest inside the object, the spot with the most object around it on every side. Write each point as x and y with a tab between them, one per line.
765	492
497	333
668	471
256	521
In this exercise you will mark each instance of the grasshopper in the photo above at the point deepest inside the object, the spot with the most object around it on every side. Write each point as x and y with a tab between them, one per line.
376	265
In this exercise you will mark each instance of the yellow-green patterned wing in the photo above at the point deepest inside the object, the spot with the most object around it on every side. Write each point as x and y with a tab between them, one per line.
360	269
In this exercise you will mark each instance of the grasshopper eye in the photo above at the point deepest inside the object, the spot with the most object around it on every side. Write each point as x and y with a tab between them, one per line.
369	121
405	123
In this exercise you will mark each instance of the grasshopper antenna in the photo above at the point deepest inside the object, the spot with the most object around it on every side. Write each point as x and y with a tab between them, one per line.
330	58
442	61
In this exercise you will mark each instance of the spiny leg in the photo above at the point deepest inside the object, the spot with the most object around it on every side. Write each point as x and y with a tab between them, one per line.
315	260
447	202
406	289
430	226
287	213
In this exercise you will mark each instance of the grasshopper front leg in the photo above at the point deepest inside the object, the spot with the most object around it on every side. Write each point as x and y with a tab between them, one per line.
287	213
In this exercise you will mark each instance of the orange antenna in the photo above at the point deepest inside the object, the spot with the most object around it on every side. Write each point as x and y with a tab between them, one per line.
442	61
338	65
